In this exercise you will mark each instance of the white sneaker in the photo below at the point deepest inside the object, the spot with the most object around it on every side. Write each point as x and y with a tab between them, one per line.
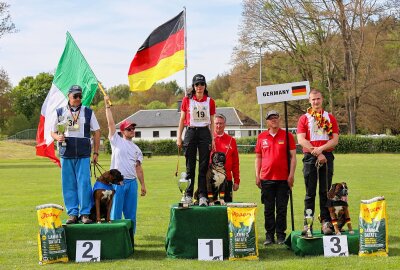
203	201
189	200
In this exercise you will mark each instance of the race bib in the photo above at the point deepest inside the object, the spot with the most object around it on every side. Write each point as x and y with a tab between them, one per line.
201	114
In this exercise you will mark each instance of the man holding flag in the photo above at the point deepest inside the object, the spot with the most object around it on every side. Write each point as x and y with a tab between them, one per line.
66	118
75	151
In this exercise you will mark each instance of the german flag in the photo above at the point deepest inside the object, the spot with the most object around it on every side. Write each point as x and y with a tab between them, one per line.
300	90
160	56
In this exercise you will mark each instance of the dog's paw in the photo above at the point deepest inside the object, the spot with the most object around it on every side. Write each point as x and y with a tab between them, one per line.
211	204
338	233
99	222
222	202
351	232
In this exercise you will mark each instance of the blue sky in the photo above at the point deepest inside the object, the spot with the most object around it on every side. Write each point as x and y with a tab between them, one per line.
110	32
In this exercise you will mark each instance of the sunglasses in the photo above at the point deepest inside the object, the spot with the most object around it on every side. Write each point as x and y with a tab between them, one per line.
76	96
130	129
199	83
273	117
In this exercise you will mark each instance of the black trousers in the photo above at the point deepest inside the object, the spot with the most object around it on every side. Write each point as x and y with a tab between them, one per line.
275	196
325	182
197	139
228	191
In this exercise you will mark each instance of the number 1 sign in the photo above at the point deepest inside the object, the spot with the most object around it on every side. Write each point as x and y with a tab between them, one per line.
210	249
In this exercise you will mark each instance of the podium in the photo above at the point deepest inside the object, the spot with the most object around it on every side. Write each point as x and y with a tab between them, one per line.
116	238
315	246
186	226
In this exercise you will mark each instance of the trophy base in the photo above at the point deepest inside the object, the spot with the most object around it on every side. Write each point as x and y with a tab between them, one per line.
183	205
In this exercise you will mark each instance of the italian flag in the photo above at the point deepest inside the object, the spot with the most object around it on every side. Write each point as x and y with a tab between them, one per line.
160	56
72	69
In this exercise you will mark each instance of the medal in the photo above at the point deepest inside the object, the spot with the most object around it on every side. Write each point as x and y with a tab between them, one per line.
76	126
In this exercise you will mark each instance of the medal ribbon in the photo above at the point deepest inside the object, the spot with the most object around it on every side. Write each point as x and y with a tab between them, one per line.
76	115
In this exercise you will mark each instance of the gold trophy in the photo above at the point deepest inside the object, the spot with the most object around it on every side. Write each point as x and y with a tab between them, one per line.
309	221
183	185
61	127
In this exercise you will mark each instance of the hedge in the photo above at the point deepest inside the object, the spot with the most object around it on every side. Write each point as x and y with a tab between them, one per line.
347	144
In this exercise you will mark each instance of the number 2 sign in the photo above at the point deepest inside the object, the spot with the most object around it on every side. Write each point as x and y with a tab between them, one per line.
335	245
88	251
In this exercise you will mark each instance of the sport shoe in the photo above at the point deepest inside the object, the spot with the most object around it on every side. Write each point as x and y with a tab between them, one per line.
280	240
203	201
86	220
72	220
327	228
269	240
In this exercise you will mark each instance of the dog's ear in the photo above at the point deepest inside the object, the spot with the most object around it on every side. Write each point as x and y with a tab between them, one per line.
332	192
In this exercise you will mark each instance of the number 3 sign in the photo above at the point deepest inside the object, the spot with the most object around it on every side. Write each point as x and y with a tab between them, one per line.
335	245
88	251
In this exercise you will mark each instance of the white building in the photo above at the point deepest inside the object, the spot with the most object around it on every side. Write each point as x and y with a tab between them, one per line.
163	123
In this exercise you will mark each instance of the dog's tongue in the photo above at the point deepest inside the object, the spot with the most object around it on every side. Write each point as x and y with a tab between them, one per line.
344	198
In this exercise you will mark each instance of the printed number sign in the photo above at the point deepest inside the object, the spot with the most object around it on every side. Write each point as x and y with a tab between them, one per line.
210	250
88	251
335	245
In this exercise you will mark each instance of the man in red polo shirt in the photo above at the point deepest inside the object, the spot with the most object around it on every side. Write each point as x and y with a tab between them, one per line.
318	134
227	145
273	177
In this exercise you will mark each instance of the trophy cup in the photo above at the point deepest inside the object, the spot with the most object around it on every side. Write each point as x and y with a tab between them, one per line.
183	185
309	221
61	126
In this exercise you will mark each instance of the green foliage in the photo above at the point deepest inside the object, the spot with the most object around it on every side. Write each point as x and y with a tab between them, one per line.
30	94
156	104
120	92
222	103
358	144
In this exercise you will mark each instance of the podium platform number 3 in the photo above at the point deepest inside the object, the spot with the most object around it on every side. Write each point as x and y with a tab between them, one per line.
88	251
335	245
210	250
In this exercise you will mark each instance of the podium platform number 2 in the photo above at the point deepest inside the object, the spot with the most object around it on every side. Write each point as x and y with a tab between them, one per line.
335	245
88	251
210	249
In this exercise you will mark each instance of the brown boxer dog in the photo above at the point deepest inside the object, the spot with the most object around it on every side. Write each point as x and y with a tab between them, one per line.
103	193
339	208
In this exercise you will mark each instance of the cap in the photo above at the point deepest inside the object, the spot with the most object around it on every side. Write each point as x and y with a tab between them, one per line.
126	124
270	113
75	89
198	78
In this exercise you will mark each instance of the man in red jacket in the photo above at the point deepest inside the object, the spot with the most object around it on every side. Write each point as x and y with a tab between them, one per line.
227	145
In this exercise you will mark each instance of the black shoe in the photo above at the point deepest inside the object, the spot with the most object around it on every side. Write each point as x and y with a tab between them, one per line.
327	228
72	220
280	240
269	240
86	220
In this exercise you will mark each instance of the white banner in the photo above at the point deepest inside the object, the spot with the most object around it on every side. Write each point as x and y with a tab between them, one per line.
283	92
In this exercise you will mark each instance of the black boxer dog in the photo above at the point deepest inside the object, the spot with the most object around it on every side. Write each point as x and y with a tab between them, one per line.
103	193
339	208
216	178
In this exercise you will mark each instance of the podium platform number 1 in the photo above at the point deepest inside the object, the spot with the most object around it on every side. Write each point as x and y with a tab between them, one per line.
210	249
88	251
335	245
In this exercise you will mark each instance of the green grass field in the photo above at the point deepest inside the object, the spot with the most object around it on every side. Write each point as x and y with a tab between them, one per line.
27	181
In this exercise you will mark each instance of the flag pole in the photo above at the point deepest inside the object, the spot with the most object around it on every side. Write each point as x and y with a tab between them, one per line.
185	40
104	93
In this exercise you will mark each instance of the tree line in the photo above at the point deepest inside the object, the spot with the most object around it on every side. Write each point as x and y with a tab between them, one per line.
347	49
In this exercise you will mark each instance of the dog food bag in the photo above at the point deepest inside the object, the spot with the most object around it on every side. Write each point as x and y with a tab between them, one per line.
373	228
242	231
51	237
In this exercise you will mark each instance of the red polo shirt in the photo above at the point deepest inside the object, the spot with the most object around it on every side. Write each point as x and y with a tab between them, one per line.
227	145
274	165
185	107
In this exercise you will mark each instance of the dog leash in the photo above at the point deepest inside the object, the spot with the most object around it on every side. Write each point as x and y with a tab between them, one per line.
96	166
177	164
318	165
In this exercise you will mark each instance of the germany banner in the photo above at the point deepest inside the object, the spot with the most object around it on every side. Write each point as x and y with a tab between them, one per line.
161	55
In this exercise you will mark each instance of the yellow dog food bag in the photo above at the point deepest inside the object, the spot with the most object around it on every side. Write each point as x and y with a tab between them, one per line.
242	231
51	237
373	221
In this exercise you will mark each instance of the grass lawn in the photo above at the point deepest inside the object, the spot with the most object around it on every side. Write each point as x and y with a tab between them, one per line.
28	181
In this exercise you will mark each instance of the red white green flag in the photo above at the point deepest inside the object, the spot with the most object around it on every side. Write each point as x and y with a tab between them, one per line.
72	69
160	56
